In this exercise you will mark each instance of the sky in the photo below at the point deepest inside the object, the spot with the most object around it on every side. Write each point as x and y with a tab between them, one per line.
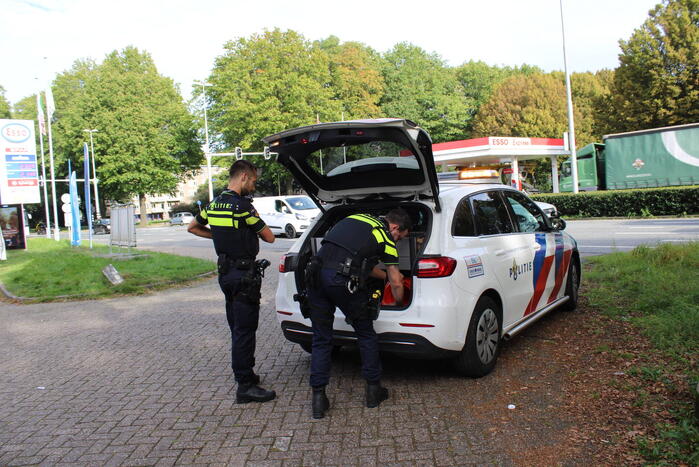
42	38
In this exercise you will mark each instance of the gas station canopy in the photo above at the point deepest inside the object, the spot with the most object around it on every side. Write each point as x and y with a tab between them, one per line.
500	150
494	150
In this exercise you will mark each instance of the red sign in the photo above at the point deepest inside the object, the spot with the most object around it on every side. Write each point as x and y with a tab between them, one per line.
23	182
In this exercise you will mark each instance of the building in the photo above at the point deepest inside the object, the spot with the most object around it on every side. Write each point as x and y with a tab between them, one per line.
159	207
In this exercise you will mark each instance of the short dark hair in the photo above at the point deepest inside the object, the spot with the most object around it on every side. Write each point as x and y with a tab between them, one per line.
399	217
241	166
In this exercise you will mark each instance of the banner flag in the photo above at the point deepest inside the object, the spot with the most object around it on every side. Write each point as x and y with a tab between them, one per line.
88	206
74	210
50	105
40	114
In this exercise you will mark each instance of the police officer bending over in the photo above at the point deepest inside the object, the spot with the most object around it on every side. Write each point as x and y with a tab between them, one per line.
338	277
235	228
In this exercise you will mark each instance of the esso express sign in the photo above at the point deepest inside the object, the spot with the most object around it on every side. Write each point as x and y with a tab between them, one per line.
15	133
19	174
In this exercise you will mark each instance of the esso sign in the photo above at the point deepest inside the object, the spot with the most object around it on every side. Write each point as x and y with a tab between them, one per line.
15	132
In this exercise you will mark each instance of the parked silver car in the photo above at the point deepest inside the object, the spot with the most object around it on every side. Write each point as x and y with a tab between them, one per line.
181	218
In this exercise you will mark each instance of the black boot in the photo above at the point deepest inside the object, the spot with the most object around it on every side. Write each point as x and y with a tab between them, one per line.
320	402
253	393
375	394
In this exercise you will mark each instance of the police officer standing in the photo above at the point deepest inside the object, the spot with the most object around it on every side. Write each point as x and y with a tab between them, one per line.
234	226
347	258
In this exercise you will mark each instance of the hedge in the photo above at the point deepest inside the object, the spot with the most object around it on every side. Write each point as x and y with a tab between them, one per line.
668	201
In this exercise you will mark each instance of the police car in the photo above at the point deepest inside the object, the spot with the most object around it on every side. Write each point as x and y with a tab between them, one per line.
482	260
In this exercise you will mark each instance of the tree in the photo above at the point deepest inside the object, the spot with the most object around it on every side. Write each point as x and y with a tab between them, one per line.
4	105
479	79
25	108
266	84
589	92
420	87
355	77
527	106
146	142
535	106
657	81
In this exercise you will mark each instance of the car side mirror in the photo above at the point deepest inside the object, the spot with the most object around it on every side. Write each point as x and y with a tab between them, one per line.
557	223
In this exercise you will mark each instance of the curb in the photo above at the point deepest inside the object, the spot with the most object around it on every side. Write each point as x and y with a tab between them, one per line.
23	300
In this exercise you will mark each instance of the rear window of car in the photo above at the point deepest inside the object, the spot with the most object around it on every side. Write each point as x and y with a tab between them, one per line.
463	224
345	158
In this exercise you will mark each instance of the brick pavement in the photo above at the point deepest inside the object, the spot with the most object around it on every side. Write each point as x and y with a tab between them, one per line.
146	380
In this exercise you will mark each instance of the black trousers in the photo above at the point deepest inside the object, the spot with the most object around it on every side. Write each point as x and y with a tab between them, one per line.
331	293
242	319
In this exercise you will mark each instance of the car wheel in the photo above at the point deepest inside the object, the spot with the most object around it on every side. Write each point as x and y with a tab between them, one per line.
572	286
290	231
482	346
307	346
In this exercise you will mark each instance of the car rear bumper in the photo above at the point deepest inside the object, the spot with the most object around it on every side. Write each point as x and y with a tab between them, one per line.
408	345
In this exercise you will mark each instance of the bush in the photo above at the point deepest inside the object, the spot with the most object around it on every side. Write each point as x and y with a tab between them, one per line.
668	201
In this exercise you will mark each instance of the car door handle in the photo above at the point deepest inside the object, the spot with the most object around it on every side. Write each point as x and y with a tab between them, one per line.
499	252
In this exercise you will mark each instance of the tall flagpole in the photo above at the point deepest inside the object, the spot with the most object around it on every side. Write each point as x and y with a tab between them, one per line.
42	132
207	150
94	177
49	113
569	101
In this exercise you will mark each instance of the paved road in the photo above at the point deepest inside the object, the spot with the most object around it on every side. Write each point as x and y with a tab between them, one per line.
595	237
145	380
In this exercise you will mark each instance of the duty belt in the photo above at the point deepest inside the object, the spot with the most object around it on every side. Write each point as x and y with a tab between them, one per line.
242	263
224	263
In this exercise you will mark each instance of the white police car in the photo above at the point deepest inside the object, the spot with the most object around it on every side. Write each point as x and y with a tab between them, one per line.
483	259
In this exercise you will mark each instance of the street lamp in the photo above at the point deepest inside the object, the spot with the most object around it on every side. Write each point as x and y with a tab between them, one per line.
571	124
94	174
207	152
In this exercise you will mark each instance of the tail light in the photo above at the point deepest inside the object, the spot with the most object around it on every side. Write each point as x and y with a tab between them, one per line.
282	264
440	266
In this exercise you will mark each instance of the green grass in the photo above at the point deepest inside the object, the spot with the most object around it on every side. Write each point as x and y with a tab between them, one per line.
657	289
49	270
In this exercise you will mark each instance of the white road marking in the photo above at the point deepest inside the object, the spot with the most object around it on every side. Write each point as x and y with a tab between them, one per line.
608	246
647	233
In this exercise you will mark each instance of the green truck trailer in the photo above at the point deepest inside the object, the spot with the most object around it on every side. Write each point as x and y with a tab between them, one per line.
638	159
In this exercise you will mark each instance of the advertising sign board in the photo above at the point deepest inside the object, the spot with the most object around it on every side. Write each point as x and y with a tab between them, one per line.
19	175
12	225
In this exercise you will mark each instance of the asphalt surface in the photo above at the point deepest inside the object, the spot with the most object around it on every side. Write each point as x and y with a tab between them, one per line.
598	237
594	237
146	380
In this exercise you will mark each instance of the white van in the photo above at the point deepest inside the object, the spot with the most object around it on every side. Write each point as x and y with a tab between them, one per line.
289	215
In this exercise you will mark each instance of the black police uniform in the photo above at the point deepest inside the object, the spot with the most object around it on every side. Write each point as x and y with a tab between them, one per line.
360	237
234	226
